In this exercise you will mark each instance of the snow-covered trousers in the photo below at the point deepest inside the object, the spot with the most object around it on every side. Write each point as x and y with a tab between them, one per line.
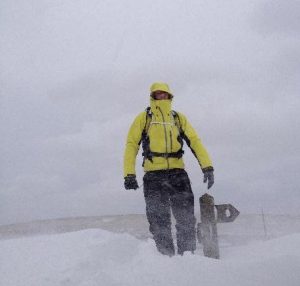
167	190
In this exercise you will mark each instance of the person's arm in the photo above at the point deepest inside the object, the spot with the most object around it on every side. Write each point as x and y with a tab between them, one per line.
133	144
194	142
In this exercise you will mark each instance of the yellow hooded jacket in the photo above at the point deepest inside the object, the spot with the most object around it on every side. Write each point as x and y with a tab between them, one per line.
163	134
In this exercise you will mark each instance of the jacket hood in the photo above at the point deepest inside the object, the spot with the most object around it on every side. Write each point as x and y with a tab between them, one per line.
160	86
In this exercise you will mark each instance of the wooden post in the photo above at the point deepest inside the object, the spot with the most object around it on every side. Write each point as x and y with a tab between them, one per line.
207	229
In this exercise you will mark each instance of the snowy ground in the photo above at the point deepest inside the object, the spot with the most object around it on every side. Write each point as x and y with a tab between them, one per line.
118	250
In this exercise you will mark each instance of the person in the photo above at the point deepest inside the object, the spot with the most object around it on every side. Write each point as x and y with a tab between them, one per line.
166	184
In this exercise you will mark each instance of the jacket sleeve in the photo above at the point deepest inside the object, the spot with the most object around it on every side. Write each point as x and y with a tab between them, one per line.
193	141
133	143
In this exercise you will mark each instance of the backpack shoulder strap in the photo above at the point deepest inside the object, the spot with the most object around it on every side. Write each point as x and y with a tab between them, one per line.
177	121
148	120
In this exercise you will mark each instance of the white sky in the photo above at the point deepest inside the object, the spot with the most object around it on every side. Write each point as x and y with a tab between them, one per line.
73	75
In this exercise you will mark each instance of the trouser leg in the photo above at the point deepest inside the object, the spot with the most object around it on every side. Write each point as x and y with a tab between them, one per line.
182	204
158	213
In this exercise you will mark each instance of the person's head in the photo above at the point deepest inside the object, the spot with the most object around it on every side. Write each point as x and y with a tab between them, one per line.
160	91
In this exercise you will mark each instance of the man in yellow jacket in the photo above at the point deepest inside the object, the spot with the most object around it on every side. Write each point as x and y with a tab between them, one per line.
166	184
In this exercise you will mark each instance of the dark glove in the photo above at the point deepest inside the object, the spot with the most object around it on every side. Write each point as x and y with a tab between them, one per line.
208	176
130	182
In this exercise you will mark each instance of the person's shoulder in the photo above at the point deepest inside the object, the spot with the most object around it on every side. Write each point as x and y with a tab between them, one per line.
142	113
141	117
179	114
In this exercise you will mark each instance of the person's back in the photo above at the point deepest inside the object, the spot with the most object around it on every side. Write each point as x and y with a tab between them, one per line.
166	184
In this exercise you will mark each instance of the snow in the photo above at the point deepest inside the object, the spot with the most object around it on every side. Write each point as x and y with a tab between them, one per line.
101	257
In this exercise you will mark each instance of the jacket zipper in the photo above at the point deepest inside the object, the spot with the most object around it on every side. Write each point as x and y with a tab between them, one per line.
166	138
171	141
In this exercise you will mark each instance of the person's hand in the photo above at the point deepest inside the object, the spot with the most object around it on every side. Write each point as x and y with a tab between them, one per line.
130	182
208	177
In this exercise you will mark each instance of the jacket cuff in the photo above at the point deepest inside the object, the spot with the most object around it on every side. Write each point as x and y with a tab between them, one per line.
208	169
130	176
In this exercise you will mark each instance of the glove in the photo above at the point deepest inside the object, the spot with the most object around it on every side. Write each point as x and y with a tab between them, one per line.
130	182
208	176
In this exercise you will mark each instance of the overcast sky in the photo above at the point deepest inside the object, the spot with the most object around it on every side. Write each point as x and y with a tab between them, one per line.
74	74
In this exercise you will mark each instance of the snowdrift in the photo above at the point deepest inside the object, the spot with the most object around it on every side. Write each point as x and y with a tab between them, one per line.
101	257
